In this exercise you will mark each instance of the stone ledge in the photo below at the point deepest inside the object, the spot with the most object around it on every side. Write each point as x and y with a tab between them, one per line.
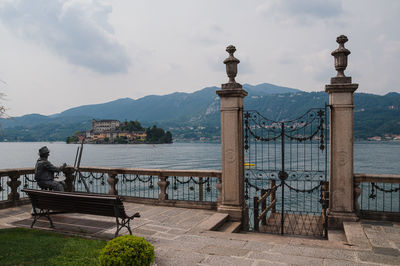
232	93
331	88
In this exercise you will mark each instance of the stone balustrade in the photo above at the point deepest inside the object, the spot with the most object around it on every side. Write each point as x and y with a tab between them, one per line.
377	196
183	188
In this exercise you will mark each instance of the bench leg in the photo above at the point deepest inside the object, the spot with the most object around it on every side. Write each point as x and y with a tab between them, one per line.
51	222
42	213
121	224
118	227
34	214
129	226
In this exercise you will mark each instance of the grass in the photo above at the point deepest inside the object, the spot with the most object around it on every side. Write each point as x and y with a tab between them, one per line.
20	246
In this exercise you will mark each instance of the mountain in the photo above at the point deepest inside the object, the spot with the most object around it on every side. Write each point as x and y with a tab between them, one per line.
177	106
196	115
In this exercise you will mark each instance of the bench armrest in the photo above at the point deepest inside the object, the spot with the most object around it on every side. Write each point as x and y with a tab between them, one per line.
135	215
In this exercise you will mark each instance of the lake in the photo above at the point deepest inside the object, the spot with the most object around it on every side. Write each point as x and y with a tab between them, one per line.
164	156
370	157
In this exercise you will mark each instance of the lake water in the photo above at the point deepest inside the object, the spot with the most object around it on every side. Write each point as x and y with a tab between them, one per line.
370	157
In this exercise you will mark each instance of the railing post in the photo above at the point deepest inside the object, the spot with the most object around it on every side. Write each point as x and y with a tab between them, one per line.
13	183
69	178
231	102
163	184
273	195
112	180
341	90
200	189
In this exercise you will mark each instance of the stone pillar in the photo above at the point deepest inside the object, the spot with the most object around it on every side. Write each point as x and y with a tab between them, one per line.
231	101
341	186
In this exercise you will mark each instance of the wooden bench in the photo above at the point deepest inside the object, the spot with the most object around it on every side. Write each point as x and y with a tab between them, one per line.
73	202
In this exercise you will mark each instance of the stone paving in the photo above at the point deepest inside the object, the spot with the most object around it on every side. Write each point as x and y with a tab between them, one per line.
179	239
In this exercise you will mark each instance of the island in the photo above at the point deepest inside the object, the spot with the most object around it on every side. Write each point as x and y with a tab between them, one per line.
116	132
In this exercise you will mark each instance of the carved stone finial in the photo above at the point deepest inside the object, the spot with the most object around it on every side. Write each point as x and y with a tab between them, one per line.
340	55
231	64
341	40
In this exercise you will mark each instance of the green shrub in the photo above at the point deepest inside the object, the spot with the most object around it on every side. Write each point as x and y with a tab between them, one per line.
127	250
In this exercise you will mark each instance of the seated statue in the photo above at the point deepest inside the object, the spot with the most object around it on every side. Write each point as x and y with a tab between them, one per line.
44	172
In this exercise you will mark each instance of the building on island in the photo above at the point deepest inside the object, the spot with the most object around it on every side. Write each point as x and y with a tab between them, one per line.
104	125
107	131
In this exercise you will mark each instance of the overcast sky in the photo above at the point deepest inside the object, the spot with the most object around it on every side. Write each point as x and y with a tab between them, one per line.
60	54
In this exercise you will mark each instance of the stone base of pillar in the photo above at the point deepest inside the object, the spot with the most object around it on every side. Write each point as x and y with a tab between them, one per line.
336	219
235	212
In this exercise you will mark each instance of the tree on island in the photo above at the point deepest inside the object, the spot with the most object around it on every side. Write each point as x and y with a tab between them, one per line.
131	126
74	138
158	135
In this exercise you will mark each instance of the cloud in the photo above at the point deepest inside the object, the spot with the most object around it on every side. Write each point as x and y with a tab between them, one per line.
76	30
319	65
207	34
303	12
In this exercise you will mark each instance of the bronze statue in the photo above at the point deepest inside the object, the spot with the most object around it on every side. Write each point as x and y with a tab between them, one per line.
44	172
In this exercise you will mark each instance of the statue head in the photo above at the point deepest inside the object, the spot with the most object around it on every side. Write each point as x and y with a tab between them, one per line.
44	151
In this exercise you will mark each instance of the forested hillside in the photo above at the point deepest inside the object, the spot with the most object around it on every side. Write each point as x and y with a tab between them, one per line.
196	116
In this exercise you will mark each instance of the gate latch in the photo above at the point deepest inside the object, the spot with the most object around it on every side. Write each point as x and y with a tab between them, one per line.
283	175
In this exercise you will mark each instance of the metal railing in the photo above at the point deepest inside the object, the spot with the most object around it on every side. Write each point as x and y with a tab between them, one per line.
377	196
184	188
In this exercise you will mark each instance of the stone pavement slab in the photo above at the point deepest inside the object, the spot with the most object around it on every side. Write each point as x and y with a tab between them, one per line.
355	235
179	239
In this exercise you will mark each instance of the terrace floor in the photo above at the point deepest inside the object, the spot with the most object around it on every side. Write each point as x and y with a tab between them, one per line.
180	237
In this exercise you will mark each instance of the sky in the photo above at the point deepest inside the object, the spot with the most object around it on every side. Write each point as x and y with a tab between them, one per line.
59	54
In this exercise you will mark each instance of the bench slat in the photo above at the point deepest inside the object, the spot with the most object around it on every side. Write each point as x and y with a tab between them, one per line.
94	204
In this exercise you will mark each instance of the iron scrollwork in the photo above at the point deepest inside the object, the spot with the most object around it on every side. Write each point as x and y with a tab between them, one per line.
287	155
148	180
191	179
375	187
27	180
92	177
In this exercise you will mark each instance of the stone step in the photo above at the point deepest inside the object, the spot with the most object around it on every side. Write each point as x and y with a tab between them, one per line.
337	236
230	227
214	222
355	235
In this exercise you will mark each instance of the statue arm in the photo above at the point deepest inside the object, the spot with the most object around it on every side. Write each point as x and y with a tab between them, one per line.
50	167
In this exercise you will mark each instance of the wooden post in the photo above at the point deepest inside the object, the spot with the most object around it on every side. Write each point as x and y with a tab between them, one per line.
273	196
263	207
256	211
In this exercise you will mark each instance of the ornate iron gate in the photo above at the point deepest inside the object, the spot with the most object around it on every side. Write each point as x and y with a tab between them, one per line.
286	185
